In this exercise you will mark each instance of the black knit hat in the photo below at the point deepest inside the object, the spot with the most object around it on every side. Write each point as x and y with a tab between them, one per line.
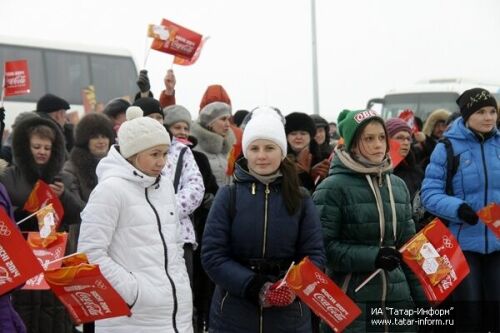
115	107
50	103
149	105
90	126
298	121
474	99
239	116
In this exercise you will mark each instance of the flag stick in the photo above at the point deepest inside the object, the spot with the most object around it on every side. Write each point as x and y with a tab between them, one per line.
283	280
368	279
33	214
147	48
3	87
62	258
28	217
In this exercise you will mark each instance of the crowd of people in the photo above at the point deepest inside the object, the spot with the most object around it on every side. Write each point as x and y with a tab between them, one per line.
194	221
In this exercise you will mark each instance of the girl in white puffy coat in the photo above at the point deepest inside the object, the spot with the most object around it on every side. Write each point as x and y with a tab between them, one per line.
130	228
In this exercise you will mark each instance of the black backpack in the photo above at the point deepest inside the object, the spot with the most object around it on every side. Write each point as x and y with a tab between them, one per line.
420	215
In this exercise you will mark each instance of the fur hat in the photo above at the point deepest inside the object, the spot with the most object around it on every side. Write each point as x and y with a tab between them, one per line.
215	93
140	133
149	105
50	103
175	113
91	125
266	124
211	112
474	99
350	122
115	107
396	125
436	116
22	117
298	121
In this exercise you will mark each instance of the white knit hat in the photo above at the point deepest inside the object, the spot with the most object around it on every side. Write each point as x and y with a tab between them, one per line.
140	133
265	123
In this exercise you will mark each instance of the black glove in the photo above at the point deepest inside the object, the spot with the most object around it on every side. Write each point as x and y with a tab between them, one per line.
2	114
467	214
388	258
143	81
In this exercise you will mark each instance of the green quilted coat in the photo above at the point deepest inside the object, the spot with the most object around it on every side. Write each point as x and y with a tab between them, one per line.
349	206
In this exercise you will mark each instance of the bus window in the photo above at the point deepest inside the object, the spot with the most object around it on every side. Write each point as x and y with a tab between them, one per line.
68	74
395	104
422	104
112	76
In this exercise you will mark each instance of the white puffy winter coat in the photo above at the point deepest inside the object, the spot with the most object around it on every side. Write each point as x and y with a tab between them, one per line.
129	227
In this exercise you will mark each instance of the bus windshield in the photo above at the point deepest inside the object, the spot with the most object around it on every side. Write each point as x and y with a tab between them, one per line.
422	104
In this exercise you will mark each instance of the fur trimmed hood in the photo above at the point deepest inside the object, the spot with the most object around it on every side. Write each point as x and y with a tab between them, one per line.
434	117
23	158
211	142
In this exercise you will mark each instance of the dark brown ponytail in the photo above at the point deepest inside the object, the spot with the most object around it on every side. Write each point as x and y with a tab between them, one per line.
290	186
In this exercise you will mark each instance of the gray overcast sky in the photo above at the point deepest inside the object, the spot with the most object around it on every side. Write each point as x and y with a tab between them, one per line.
260	50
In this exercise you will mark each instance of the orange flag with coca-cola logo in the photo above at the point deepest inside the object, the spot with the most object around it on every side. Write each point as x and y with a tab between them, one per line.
491	217
17	262
435	257
174	39
47	254
16	78
322	295
41	196
84	291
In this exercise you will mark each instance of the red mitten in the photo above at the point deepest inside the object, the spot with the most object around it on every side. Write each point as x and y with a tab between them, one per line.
271	295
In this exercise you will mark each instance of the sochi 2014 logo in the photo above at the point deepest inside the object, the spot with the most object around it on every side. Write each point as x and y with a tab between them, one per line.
4	230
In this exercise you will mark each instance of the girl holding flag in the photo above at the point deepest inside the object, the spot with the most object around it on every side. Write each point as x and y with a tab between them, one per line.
366	217
476	183
255	229
39	153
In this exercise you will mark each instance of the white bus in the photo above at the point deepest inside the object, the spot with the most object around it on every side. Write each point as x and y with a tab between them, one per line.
64	69
427	96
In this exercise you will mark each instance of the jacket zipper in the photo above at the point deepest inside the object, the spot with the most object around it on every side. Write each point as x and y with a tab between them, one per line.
165	253
264	243
384	296
485	196
266	205
223	300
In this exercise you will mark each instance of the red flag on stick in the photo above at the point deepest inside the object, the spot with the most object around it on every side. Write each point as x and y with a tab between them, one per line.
17	262
84	291
17	78
322	295
409	117
47	255
175	39
436	259
41	196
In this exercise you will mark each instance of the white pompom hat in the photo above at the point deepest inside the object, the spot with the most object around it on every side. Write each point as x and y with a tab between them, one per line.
265	123
140	133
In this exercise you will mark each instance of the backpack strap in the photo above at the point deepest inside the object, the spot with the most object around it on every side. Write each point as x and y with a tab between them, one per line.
452	163
178	168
